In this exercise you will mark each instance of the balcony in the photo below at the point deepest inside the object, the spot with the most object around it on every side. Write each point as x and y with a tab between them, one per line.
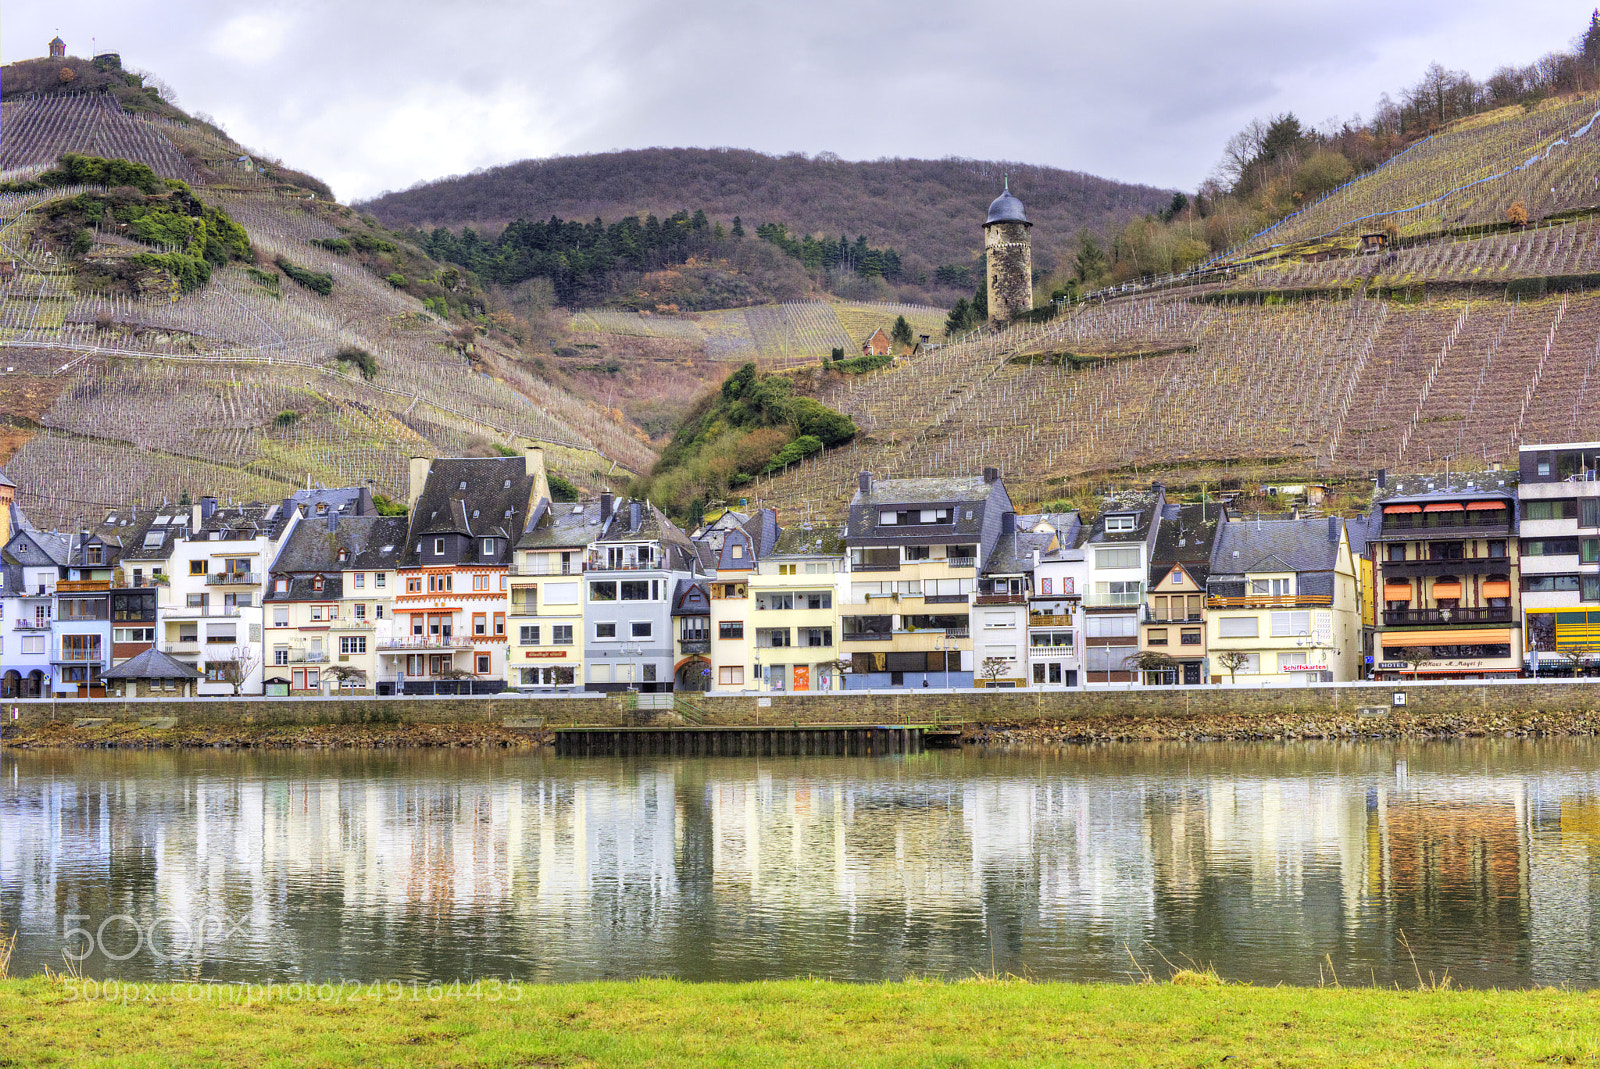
47	590
960	562
1048	620
196	612
597	565
1272	601
418	644
687	646
876	566
957	632
233	579
960	599
1397	569
352	625
1414	617
1150	616
32	625
308	656
1132	599
868	636
540	571
1001	599
182	648
83	586
72	656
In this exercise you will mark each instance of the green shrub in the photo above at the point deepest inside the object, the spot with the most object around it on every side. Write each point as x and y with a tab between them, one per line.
795	451
860	365
397	280
315	281
265	279
387	506
287	418
368	243
364	361
191	272
338	245
820	421
77	170
562	489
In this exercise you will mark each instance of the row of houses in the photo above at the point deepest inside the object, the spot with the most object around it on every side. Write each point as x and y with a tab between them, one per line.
487	584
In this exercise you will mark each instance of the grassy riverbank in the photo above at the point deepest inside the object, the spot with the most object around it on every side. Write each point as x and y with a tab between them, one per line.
802	1022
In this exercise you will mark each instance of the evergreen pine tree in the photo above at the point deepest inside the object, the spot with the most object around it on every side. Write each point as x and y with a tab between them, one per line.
901	333
738	227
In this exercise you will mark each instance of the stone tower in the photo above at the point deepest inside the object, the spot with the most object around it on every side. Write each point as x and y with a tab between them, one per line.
58	48
1009	252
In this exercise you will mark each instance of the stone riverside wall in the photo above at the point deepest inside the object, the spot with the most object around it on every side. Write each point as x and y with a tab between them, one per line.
1434	702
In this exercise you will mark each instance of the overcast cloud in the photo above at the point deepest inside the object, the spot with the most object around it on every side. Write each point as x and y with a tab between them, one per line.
378	95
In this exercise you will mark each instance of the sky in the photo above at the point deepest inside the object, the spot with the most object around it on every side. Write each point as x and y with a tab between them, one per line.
373	96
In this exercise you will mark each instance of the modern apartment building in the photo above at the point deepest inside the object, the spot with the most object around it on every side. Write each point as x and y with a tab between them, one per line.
212	586
630	575
1445	571
1282	606
1559	501
1055	611
1118	551
793	604
1000	606
915	546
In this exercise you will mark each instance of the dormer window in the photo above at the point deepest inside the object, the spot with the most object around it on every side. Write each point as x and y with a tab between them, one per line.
488	547
738	552
1121	524
322	508
280	586
316	584
344	555
507	485
92	554
463	485
438	547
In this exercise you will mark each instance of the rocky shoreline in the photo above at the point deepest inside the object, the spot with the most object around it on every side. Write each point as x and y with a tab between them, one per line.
124	736
1396	725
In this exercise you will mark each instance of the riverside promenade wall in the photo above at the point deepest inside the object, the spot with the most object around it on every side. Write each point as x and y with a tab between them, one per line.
1426	709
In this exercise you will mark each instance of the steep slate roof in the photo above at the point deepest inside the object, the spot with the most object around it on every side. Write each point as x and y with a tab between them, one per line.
1013	553
1362	530
976	506
763	531
1275	545
156	550
122	533
302	587
691	597
477	496
677	549
151	664
1140	502
371	543
565	525
37	548
1185	537
346	500
5	481
254	520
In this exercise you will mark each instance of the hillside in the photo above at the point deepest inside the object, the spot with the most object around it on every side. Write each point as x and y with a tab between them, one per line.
331	352
1452	347
930	211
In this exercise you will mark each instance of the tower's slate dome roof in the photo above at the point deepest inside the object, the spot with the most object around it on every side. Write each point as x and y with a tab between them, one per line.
1006	209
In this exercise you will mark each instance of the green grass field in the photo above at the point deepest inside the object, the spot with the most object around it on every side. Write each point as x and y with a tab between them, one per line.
801	1022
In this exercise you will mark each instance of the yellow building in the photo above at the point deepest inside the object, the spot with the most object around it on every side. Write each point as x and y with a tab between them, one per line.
545	622
1282	606
793	607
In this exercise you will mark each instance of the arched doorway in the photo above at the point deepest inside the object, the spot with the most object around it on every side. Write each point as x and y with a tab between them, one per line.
693	674
33	686
11	684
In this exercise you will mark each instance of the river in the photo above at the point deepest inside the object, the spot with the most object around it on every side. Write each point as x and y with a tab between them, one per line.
1372	862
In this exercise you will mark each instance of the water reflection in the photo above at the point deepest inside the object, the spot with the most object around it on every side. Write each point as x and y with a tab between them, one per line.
1267	861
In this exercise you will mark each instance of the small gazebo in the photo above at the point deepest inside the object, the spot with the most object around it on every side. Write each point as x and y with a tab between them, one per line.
151	674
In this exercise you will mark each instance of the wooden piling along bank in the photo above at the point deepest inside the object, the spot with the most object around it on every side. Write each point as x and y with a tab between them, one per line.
845	740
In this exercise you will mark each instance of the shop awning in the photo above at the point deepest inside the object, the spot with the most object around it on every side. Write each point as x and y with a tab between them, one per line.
1487	506
1391	509
1444	506
1497	589
1459	637
1397	591
1452	589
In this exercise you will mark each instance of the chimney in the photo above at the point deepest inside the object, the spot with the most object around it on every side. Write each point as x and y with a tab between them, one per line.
208	506
1008	523
1334	523
533	467
634	508
864	480
605	506
418	476
991	474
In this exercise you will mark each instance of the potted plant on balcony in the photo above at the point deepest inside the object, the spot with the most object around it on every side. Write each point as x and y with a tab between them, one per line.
160	579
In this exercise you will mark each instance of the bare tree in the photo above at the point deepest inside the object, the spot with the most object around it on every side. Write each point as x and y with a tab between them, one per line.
1233	660
1414	657
993	668
346	673
236	671
1152	661
1577	656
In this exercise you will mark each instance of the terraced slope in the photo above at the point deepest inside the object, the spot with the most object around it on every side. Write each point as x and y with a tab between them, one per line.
153	395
